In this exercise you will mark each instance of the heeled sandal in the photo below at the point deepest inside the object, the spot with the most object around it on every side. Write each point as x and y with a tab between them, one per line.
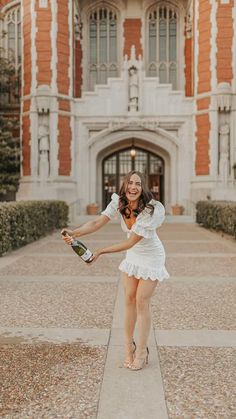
140	362
132	349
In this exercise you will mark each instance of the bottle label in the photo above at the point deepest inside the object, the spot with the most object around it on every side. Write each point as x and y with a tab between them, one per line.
87	255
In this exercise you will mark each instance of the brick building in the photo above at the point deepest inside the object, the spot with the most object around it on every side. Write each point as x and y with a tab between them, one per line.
112	85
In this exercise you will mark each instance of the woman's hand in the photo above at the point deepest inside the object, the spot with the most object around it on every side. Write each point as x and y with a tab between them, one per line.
95	256
66	235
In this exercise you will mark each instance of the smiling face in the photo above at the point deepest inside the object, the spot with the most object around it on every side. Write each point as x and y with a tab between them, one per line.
134	188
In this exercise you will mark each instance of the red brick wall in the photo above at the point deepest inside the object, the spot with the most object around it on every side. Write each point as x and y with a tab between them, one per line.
78	68
26	145
27	47
204	86
63	47
43	43
188	52
132	36
224	42
64	140
202	145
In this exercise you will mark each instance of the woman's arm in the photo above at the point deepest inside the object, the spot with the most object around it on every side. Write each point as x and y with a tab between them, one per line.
120	247
86	228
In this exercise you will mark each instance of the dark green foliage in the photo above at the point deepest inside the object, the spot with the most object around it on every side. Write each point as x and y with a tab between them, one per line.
219	215
9	129
9	157
25	221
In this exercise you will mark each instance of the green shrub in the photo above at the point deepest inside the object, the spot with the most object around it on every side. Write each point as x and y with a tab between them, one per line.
218	215
23	222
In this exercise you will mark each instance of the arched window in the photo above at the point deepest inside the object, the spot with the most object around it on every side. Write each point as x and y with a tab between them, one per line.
103	61
162	43
12	49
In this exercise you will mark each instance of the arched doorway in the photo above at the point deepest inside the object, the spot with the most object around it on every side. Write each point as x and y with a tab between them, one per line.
117	165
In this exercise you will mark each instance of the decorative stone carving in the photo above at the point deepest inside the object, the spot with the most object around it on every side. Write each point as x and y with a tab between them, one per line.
224	140
43	99
189	24
44	149
224	97
133	67
133	89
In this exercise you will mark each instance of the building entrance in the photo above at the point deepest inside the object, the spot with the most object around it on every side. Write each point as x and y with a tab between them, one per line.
117	165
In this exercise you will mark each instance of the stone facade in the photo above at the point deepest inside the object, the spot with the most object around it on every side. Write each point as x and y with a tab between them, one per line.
68	129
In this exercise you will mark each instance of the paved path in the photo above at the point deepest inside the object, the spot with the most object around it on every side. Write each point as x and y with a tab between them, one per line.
61	332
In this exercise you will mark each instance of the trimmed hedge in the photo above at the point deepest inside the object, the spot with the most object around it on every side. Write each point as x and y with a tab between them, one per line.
23	222
218	215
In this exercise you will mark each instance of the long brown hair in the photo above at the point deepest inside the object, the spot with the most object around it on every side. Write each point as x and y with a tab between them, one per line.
144	198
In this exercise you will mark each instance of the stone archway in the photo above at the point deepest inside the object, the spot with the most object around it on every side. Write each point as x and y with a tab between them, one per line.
161	143
118	164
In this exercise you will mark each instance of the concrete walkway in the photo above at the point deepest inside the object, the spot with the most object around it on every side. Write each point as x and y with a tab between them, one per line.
61	332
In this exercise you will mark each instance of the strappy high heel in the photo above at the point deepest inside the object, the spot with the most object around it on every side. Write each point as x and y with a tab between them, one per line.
132	348
140	361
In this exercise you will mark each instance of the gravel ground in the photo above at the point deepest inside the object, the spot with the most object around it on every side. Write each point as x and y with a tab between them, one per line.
49	304
198	247
194	305
201	266
199	383
50	381
46	265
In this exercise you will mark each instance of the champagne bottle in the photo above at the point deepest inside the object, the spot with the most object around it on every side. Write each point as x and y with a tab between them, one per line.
80	249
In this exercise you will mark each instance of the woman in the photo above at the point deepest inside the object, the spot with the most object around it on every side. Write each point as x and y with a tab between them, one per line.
144	264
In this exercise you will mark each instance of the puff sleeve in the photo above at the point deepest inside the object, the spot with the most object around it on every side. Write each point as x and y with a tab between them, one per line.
111	210
147	224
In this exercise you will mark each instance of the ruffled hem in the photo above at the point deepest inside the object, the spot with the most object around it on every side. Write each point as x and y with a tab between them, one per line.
142	231
142	272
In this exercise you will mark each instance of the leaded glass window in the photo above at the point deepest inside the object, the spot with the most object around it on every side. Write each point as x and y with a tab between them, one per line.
103	62
12	49
162	43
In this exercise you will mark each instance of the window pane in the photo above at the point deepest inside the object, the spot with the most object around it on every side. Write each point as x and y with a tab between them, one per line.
113	41
103	74
103	41
103	44
93	42
173	75
162	40
172	40
152	41
163	73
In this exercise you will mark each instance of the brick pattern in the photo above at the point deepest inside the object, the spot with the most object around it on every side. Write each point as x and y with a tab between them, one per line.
203	103
224	42
132	36
63	47
43	44
78	75
64	105
64	139
202	145
27	47
4	2
188	53
204	85
26	145
204	28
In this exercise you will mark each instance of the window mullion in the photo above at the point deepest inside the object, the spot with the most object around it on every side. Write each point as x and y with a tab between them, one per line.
157	42
167	46
108	42
98	46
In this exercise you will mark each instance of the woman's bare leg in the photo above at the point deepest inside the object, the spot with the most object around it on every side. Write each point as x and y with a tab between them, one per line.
144	292
130	288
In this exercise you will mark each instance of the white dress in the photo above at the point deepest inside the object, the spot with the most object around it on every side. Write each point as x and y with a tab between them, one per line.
146	259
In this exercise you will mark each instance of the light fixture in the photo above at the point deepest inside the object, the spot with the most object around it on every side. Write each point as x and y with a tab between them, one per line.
133	151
